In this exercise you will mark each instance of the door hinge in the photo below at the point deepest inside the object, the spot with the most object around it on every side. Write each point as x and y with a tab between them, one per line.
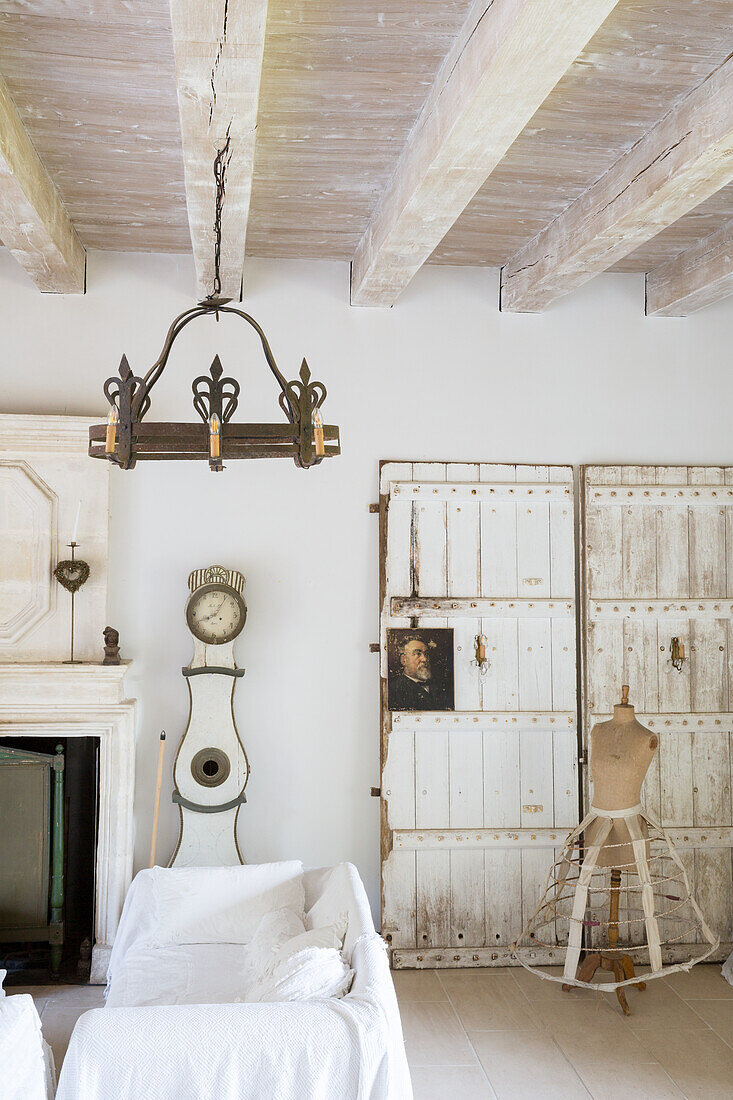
374	508
374	647
376	792
583	758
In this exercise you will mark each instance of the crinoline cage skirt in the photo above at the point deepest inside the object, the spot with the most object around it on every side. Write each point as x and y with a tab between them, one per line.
656	906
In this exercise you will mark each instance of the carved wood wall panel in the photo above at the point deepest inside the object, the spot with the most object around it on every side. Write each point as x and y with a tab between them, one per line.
45	472
28	521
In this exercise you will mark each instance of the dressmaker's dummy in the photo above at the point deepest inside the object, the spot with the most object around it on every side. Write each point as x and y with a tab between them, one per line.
581	891
621	752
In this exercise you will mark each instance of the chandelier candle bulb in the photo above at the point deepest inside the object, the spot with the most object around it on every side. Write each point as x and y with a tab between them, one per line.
318	433
111	437
215	436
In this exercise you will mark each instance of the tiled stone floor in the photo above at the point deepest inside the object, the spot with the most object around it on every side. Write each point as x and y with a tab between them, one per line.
478	1034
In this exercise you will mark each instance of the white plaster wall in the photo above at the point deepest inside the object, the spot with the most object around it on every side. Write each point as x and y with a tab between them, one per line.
443	375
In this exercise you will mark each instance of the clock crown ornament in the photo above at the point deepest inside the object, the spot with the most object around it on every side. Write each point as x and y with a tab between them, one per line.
216	574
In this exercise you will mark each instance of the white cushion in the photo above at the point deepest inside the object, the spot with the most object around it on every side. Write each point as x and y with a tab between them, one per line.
222	904
274	930
331	936
335	901
314	972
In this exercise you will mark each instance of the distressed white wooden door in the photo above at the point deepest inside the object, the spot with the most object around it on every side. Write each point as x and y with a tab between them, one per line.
475	800
658	564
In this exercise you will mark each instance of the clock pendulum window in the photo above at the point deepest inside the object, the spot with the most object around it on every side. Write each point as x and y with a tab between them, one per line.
211	768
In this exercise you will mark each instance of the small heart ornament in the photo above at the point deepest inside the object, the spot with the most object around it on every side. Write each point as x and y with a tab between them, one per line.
71	575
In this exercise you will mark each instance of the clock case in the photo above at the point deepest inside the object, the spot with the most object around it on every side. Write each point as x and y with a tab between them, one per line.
211	768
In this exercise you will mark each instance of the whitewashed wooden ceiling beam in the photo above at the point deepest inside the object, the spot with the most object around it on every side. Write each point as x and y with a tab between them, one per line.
680	162
34	224
506	60
218	48
698	277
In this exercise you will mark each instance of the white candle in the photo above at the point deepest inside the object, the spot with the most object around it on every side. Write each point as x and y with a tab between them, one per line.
76	522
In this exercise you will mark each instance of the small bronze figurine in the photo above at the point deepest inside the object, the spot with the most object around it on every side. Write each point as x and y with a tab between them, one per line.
111	646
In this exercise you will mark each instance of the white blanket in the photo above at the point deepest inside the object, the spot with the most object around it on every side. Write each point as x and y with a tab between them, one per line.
190	974
26	1062
338	1049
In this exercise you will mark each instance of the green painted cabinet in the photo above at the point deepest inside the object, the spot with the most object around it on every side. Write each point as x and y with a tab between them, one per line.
32	848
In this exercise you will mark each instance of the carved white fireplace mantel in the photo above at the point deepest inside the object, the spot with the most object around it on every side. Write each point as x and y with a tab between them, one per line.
86	700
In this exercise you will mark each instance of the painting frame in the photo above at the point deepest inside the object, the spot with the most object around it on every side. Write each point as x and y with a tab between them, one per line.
420	669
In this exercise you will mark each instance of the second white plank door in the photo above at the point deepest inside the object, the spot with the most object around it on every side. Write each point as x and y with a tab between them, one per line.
658	564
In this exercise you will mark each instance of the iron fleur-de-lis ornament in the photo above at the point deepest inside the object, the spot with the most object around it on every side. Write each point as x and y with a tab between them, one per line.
304	399
128	395
214	395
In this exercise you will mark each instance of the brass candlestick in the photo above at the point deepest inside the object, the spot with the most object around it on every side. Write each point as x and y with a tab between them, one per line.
71	575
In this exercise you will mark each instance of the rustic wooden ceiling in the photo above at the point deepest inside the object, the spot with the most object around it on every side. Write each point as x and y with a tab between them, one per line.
646	56
342	84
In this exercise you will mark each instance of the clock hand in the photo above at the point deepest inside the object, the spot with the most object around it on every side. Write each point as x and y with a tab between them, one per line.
214	612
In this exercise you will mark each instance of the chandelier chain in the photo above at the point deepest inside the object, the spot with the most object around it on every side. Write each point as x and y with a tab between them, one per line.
221	164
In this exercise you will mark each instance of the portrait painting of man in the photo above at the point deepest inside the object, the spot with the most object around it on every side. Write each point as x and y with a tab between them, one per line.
420	669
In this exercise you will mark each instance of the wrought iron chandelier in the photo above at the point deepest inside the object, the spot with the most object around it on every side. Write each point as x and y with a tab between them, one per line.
127	438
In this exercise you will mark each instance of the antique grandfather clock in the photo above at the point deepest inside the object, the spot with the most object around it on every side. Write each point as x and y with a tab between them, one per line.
211	768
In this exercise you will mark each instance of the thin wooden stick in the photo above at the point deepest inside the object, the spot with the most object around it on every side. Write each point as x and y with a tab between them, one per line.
613	922
161	752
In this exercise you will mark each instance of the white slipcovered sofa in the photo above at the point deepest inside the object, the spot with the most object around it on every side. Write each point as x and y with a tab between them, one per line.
175	1026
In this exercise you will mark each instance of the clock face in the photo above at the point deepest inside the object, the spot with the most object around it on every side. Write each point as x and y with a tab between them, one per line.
215	613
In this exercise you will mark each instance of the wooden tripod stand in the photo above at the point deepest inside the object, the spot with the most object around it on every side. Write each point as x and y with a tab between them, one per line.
622	966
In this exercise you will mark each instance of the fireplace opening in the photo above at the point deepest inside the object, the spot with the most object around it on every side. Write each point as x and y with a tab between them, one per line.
39	942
